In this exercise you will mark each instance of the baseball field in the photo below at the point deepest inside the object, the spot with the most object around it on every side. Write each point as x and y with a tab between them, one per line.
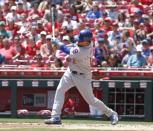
22	124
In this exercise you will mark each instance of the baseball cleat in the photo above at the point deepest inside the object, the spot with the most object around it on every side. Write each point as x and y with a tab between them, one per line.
53	120
114	118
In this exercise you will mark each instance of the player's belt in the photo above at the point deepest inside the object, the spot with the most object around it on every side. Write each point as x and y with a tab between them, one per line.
77	73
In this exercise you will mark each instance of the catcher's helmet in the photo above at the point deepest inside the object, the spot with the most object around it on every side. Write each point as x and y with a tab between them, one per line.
85	35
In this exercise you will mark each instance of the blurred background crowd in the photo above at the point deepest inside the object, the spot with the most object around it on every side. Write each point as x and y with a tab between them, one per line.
122	31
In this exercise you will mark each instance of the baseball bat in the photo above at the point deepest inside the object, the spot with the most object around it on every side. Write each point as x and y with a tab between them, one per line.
53	21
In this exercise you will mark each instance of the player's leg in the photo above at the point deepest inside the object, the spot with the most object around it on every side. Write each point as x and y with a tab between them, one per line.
86	91
64	85
92	110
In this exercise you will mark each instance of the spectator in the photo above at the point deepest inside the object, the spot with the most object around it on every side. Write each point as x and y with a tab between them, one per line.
33	32
1	41
140	33
40	26
125	58
88	5
2	18
145	48
12	28
69	23
20	49
66	39
42	39
23	21
26	5
131	20
34	10
107	24
43	5
121	19
137	59
147	23
74	13
94	13
48	13
38	62
7	51
150	58
138	15
71	34
69	106
135	7
113	12
3	31
20	8
58	64
127	42
46	50
6	8
13	15
101	52
31	49
79	6
2	59
113	60
115	33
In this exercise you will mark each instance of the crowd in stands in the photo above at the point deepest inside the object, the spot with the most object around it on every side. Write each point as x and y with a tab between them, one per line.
122	31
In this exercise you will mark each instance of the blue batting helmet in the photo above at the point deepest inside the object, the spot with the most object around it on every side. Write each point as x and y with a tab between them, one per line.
85	35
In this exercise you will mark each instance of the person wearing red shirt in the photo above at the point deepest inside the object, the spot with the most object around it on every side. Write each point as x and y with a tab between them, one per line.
12	28
7	51
6	8
1	41
34	10
40	26
107	24
135	6
31	49
42	39
20	8
147	23
146	2
19	48
69	107
48	26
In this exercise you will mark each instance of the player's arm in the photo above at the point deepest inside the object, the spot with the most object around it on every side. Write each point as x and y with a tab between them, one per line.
61	46
65	49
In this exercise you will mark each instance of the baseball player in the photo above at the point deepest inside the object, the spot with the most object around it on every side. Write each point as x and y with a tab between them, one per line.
79	75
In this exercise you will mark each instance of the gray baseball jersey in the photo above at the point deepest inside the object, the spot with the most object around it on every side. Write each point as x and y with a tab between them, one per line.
79	75
80	59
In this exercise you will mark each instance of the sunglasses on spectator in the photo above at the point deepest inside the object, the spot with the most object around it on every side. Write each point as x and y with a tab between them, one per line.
49	39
